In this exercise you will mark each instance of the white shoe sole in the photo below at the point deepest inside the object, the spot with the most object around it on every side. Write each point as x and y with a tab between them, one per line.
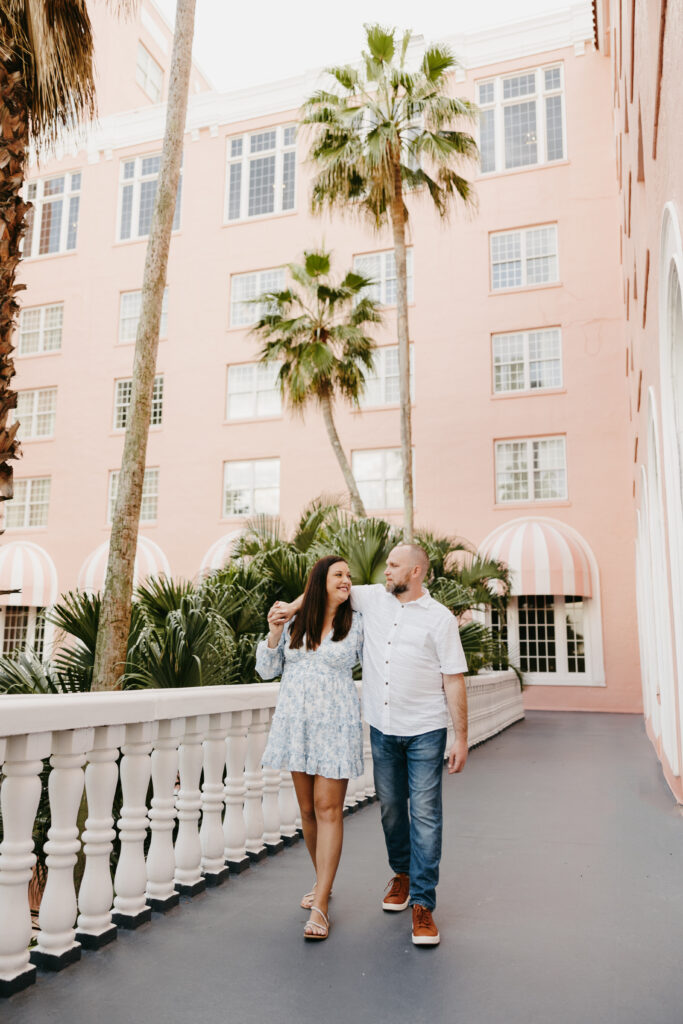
396	906
426	940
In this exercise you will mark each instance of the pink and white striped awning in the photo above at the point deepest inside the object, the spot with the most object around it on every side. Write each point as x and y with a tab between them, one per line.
219	553
150	560
544	555
27	566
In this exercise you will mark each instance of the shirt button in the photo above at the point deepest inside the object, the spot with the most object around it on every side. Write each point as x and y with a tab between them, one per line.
385	703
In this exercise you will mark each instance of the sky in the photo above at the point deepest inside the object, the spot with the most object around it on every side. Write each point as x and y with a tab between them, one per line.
249	43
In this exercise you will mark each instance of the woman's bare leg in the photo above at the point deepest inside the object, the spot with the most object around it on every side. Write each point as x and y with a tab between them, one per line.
328	799
303	787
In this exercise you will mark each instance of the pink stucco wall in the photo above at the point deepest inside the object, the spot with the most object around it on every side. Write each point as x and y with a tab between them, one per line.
456	419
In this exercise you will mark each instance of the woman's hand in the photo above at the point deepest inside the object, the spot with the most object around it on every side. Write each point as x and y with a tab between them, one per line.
277	617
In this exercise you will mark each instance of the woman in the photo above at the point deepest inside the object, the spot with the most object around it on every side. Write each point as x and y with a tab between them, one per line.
316	732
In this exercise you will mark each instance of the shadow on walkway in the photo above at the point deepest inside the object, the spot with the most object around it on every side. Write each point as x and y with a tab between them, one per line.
560	903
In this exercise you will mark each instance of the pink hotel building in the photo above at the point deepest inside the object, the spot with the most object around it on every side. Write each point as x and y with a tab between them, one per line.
518	323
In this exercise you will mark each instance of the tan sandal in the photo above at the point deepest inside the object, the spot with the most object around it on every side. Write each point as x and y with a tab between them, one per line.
323	930
308	899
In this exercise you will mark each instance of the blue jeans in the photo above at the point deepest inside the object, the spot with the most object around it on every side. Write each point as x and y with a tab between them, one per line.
411	768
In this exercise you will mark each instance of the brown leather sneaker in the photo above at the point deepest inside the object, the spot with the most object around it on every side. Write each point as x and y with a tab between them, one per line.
398	896
425	932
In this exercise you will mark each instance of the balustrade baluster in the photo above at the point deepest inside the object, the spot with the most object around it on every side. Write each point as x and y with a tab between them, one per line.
253	805
19	798
211	832
130	880
350	804
288	809
57	946
94	924
234	828
272	837
188	850
368	774
161	894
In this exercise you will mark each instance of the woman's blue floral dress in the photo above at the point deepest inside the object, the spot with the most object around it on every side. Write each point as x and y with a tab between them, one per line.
317	723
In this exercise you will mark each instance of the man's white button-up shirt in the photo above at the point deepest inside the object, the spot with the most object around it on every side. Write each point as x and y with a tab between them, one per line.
407	648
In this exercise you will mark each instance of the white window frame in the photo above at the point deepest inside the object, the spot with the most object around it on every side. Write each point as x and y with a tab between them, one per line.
150	491
163	323
253	509
384	478
31	483
282	131
525	337
386	260
524	234
142	70
380	379
33	396
42	329
255	282
530	442
122	402
35	617
35	192
136	181
260	373
539	96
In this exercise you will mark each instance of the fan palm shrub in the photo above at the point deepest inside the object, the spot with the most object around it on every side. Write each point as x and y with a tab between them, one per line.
316	329
381	131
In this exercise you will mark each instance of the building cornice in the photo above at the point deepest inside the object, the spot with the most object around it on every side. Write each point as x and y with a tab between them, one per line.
570	26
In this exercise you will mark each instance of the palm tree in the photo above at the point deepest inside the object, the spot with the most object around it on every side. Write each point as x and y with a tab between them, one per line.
112	637
318	335
47	86
384	131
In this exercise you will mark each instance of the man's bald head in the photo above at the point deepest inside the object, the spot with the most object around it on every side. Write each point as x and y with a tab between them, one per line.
407	567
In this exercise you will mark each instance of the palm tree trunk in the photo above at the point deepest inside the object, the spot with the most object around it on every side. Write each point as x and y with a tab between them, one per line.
354	493
114	625
398	224
14	141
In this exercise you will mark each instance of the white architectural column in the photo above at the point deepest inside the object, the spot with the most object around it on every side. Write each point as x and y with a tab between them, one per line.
161	894
130	880
253	805
234	828
94	924
188	850
272	832
211	832
288	809
56	946
19	800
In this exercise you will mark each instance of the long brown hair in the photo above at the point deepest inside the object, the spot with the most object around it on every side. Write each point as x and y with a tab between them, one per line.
311	616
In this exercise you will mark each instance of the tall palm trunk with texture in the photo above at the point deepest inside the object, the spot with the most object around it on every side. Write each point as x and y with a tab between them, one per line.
112	637
398	225
350	480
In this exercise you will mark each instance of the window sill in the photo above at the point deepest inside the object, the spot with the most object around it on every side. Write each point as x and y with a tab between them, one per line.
259	217
389	407
49	256
142	523
36	355
525	288
35	440
488	175
123	344
530	393
253	419
25	529
539	503
121	431
549	679
141	238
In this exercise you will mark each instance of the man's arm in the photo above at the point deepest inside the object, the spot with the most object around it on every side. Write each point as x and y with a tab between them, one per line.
456	696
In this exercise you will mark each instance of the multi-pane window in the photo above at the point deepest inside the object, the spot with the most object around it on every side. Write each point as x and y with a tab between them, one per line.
531	469
381	268
52	221
261	173
148	74
29	506
521	120
22	627
150	494
122	397
36	411
40	329
129	315
536	623
244	288
137	192
545	635
527	360
253	391
251	488
573	619
379	475
521	259
382	382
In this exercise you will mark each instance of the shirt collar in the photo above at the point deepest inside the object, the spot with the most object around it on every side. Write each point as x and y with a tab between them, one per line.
421	601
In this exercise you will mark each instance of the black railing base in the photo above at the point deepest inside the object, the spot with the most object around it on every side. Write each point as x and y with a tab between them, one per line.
257	855
191	890
290	840
161	906
238	866
10	987
89	941
213	878
129	922
55	962
273	848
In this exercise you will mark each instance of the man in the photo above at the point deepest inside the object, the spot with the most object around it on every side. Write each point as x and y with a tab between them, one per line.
413	676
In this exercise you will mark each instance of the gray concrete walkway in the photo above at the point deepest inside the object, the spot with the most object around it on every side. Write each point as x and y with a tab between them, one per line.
561	902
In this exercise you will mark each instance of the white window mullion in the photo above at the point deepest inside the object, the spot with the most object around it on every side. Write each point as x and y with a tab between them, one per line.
560	637
527	361
279	171
499	125
530	470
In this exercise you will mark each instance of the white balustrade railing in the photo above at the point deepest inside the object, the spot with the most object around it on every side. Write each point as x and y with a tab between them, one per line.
176	775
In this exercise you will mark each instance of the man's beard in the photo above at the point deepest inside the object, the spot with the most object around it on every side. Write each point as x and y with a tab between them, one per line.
397	588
